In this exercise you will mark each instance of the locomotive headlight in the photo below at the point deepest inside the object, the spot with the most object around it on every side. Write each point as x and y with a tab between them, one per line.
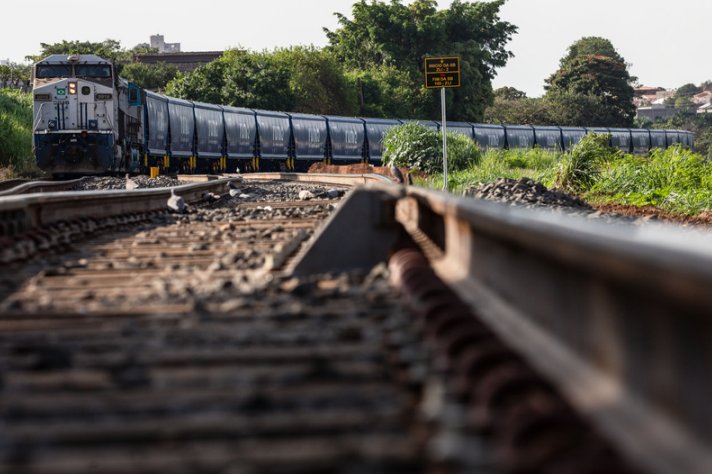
73	88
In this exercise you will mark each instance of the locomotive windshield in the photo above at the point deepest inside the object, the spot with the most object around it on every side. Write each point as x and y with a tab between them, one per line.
54	70
92	70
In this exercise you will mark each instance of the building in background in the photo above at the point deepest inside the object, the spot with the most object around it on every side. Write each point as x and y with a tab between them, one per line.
184	61
4	62
163	47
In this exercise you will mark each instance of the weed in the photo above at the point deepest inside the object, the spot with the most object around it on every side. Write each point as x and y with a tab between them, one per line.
579	169
16	133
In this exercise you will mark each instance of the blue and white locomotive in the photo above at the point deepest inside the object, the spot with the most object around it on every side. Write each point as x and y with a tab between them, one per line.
88	120
83	123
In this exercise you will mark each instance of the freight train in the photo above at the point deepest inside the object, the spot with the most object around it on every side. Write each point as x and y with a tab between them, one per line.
88	120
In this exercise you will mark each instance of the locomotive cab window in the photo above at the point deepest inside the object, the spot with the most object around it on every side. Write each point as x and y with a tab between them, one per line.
54	70
92	70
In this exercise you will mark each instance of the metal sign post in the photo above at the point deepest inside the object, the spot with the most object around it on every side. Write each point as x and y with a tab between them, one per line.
444	122
441	73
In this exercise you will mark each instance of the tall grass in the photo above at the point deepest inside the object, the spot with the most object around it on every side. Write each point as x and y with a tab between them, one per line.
537	164
16	134
579	169
675	179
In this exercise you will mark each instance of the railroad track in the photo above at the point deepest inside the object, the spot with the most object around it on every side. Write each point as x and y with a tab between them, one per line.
264	336
13	187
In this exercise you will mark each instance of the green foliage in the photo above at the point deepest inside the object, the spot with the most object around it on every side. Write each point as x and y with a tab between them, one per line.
509	93
578	109
16	132
302	79
108	49
591	46
557	108
15	71
524	111
400	36
318	81
586	77
642	122
687	91
415	146
253	80
537	164
675	179
387	93
149	76
683	102
578	170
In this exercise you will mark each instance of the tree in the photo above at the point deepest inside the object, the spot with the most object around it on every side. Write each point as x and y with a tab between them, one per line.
591	46
687	91
108	49
150	76
239	79
522	111
575	109
15	71
399	36
317	81
509	93
602	82
387	92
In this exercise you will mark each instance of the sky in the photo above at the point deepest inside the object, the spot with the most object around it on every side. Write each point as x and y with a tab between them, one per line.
666	43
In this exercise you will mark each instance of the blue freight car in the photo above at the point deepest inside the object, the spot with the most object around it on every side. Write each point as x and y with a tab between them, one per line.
309	135
210	137
490	136
461	128
347	139
519	136
621	138
240	139
274	139
571	136
548	138
156	129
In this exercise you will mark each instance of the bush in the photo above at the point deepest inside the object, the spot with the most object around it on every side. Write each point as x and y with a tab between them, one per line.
15	126
579	169
415	146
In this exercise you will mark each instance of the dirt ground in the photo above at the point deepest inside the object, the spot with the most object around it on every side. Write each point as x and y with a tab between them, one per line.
703	220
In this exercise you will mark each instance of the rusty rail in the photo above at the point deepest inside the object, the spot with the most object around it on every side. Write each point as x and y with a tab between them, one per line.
22	213
617	318
326	178
24	186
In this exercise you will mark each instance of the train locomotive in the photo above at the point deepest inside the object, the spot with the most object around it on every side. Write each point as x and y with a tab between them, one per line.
88	120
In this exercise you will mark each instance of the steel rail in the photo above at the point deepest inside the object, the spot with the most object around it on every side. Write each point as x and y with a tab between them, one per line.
22	213
326	178
618	317
37	186
11	183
